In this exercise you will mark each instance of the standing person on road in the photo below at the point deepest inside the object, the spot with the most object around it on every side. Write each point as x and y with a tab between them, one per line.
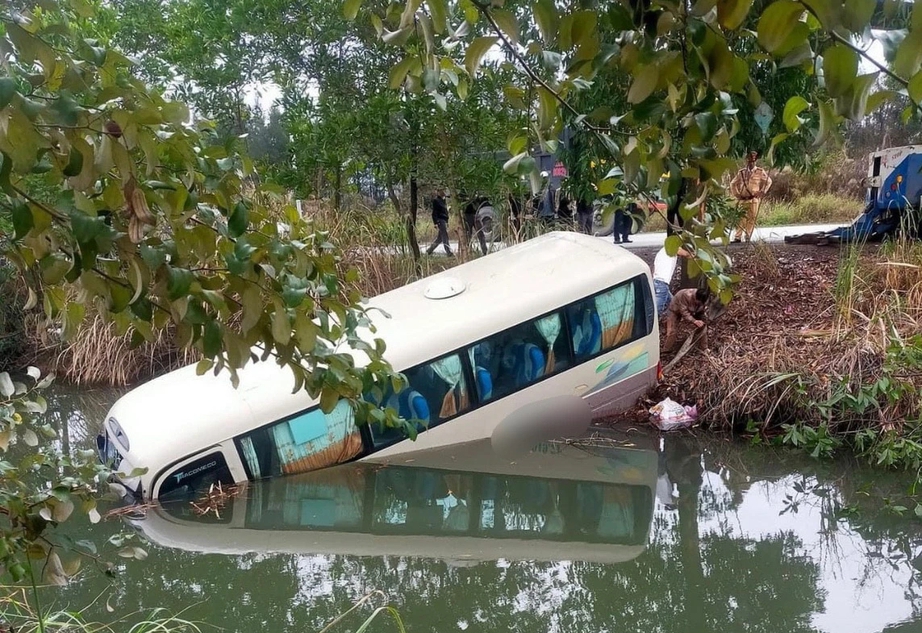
483	222
564	213
624	221
749	186
663	272
584	214
440	219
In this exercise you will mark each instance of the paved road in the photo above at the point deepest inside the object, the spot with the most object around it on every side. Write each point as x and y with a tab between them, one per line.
768	234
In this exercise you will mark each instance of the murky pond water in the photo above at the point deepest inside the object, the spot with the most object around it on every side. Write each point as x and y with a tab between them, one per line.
631	533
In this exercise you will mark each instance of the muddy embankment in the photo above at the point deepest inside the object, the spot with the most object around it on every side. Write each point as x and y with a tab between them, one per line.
822	336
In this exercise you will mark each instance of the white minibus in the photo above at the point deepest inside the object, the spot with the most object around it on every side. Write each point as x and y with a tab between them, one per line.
591	502
560	314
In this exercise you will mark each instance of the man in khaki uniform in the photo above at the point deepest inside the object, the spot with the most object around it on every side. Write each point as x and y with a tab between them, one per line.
749	187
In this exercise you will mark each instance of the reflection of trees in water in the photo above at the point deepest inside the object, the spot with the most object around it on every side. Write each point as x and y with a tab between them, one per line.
683	582
678	584
77	413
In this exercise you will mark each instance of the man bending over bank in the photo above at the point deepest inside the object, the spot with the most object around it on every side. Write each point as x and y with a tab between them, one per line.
689	305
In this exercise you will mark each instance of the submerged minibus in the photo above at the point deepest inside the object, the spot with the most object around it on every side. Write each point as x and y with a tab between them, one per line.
560	314
592	503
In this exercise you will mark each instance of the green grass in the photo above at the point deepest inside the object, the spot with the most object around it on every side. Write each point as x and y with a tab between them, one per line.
824	208
811	209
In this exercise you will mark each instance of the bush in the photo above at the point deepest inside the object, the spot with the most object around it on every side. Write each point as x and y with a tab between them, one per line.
12	334
837	174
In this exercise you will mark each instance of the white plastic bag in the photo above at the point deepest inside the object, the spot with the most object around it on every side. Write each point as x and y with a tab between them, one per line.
669	415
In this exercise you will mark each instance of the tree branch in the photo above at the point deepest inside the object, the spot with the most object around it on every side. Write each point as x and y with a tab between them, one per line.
54	213
531	73
845	42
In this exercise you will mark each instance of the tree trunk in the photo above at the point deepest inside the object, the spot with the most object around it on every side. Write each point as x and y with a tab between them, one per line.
414	190
411	228
338	189
673	220
411	223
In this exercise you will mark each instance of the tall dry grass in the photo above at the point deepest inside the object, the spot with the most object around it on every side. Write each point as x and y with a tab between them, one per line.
374	243
97	355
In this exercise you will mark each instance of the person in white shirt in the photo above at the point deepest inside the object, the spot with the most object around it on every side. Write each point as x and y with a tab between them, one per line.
663	271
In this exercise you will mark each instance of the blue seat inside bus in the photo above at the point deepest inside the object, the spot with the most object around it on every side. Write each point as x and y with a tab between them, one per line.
484	382
587	334
528	364
409	404
412	406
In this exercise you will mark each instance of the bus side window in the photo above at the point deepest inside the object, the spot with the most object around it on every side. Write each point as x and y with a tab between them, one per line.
519	356
646	308
435	392
307	441
195	477
604	322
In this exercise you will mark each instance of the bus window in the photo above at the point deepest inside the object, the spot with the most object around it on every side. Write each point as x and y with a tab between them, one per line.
435	392
603	322
519	356
306	441
196	477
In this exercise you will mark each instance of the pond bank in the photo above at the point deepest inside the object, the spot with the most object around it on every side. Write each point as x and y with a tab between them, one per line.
821	345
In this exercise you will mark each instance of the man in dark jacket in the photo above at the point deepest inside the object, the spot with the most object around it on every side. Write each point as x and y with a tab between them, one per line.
584	215
624	222
440	219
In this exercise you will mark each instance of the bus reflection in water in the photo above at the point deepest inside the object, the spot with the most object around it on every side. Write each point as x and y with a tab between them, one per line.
433	512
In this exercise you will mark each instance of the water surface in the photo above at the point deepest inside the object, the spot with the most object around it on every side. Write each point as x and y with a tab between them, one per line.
633	533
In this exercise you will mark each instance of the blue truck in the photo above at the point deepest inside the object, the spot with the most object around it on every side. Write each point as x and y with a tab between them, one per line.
892	202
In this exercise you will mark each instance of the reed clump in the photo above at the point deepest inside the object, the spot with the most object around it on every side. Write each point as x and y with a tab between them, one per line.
376	244
373	242
98	355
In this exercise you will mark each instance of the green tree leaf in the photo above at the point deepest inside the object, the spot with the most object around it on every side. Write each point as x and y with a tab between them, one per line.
239	220
212	339
827	123
507	23
7	90
915	88
281	325
351	8
732	13
399	72
439	15
475	52
179	281
777	22
840	67
22	220
6	385
794	106
583	26
673	244
547	18
645	81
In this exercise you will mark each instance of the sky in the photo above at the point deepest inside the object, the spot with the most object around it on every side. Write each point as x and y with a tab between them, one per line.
265	94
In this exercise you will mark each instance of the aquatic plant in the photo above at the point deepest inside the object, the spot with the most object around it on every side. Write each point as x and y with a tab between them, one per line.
24	616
